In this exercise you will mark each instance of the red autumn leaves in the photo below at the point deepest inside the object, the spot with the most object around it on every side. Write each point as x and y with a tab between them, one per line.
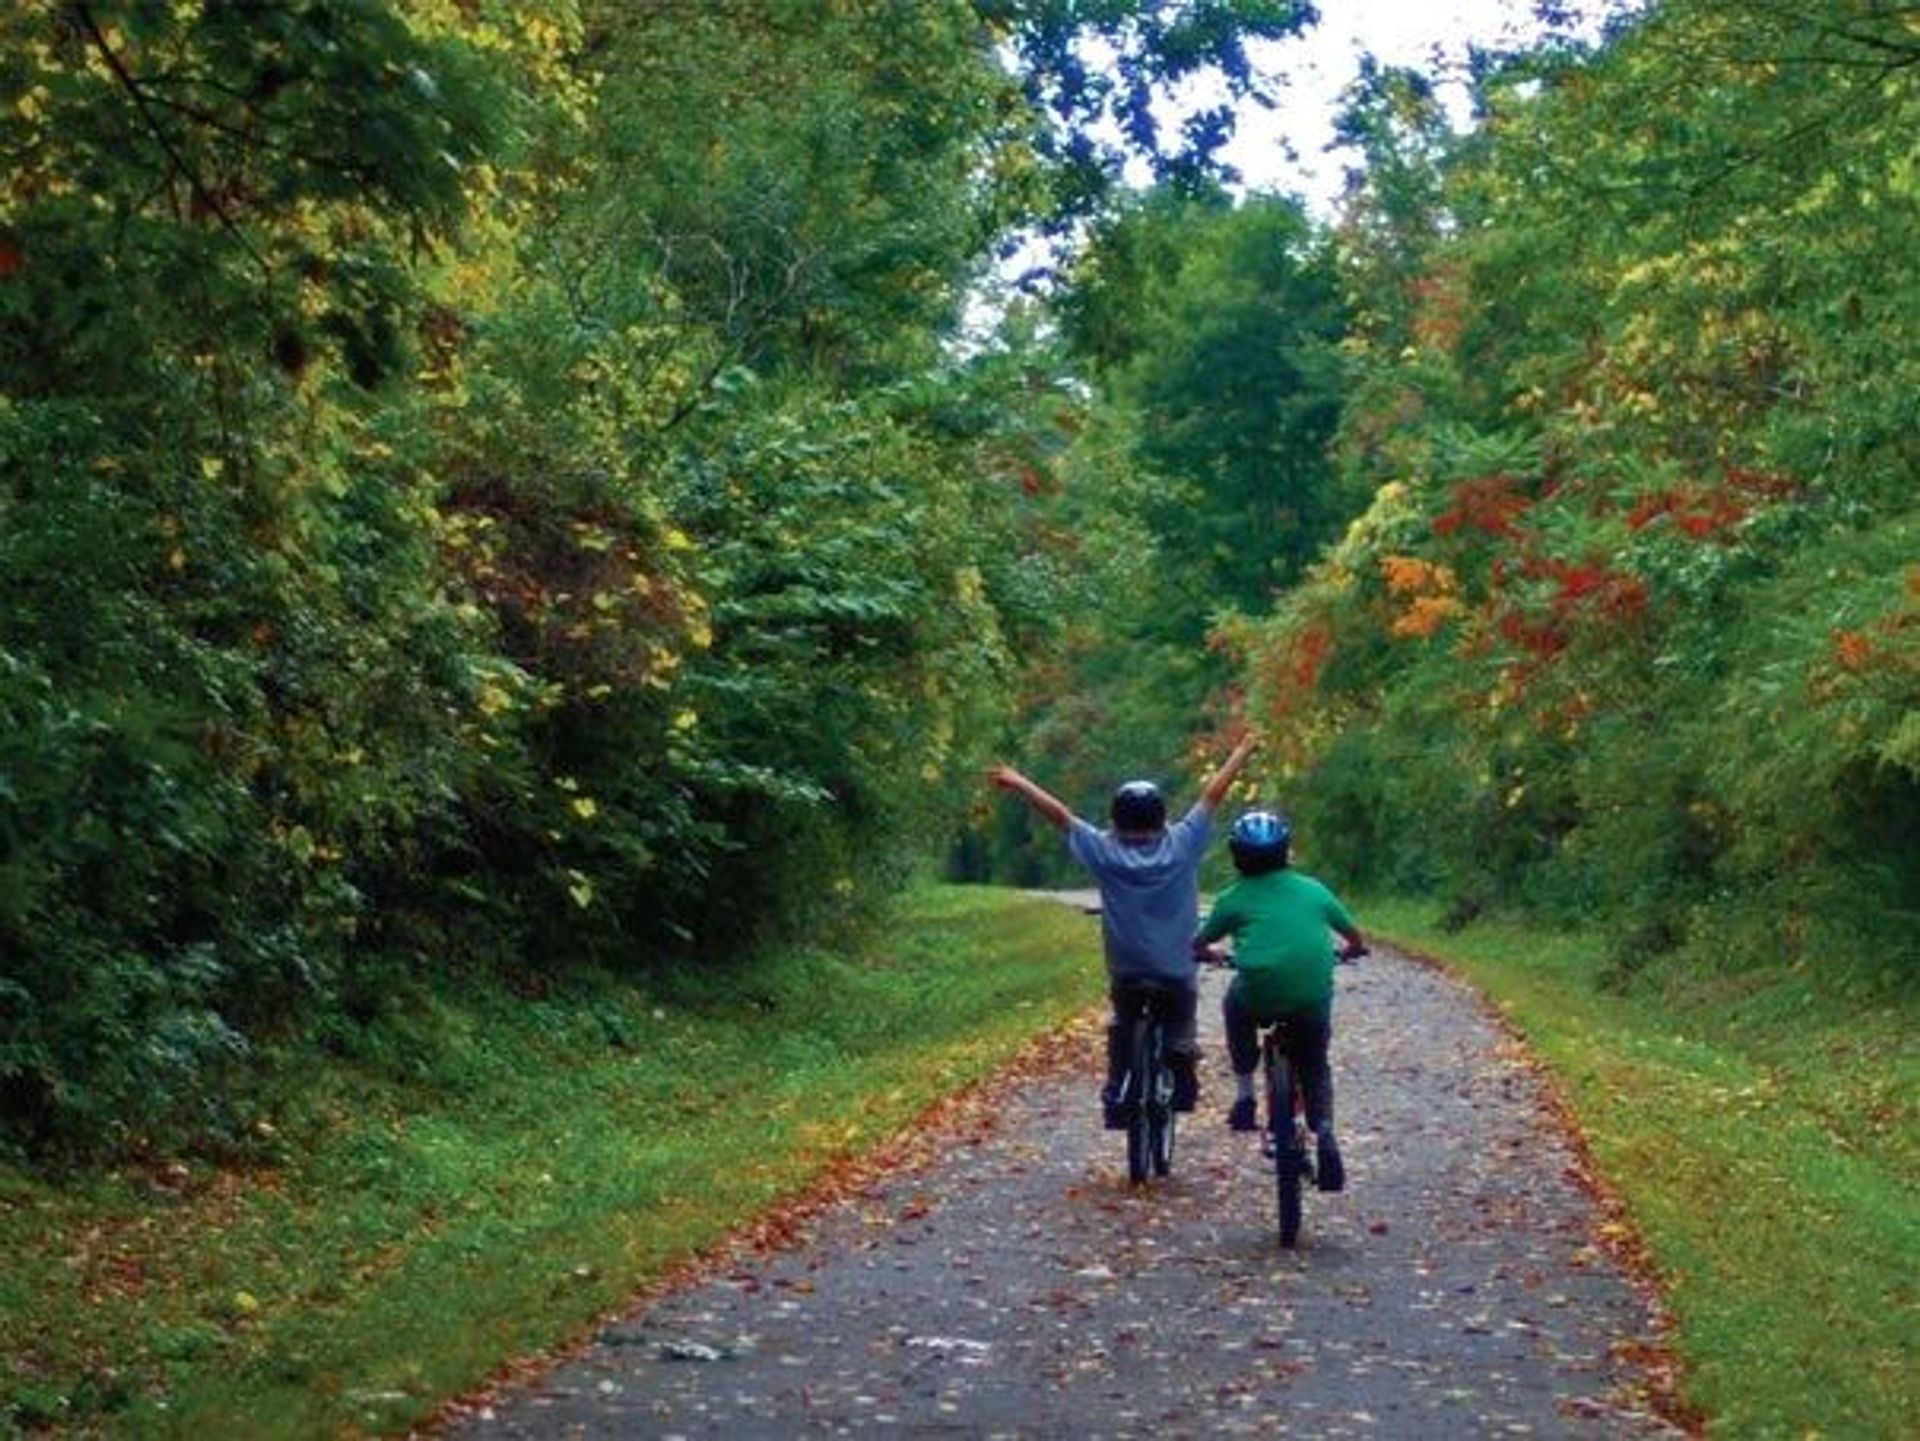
1490	504
1537	603
1551	577
1710	512
1892	641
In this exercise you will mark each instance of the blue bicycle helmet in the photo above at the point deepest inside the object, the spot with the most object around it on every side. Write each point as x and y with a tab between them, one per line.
1259	842
1139	807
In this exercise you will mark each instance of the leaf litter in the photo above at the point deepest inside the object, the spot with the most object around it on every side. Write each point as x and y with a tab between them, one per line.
992	1271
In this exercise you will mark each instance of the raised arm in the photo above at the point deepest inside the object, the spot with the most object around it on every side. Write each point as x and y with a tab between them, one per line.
1218	784
1044	802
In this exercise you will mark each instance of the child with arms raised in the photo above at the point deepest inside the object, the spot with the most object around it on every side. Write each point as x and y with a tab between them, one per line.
1147	872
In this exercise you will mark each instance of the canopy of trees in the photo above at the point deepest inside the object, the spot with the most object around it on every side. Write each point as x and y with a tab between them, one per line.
486	486
1631	628
490	488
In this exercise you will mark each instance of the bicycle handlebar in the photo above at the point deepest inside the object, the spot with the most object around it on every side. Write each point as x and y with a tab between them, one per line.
1213	955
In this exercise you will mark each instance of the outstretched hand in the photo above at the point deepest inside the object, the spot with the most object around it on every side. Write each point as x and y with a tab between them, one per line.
1221	781
1049	806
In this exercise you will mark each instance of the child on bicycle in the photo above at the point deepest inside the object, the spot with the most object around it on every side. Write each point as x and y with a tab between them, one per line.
1282	924
1148	875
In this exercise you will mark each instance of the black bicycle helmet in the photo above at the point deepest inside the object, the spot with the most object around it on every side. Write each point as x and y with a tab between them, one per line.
1259	842
1138	806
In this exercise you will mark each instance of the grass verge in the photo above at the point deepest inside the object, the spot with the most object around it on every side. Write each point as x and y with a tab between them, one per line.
545	1161
1760	1132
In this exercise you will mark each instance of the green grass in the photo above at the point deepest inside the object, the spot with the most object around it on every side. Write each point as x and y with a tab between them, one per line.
1763	1133
545	1160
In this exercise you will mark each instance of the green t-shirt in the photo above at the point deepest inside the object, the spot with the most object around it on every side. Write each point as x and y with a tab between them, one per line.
1281	924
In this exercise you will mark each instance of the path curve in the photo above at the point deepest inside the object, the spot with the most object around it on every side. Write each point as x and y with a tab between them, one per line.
1017	1286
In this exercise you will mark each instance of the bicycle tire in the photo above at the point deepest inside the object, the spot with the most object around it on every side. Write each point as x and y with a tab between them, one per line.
1289	1162
1160	1112
1139	1090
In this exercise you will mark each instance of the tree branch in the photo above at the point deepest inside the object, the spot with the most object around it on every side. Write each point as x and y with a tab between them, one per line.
175	160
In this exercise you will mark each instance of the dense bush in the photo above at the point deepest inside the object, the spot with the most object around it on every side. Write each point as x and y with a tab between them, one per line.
228	668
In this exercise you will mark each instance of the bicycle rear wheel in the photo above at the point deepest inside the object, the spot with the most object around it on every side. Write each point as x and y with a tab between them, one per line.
1139	1099
1289	1160
1160	1112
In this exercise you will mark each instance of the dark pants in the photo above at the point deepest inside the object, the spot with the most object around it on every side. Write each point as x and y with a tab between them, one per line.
1173	1002
1304	1039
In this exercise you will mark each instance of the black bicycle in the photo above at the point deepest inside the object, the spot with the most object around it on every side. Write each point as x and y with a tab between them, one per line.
1146	1091
1287	1133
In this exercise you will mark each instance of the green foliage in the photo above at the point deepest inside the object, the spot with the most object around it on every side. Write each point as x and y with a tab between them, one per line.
225	651
1629	629
851	656
1216	329
1101	71
807	183
524	1163
486	486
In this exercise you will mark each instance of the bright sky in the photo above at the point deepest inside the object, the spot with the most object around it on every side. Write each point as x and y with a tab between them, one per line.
1286	148
1431	35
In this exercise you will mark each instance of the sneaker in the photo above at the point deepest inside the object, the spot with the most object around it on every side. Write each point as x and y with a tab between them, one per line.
1242	1117
1330	1174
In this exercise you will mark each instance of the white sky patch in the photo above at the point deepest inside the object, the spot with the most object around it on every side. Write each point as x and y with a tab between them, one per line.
1287	147
1321	64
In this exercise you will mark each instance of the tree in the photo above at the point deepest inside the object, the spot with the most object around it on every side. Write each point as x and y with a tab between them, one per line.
225	661
1638	413
1216	329
1104	72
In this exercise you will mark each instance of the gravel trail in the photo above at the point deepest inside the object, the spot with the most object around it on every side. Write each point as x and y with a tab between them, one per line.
1016	1286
